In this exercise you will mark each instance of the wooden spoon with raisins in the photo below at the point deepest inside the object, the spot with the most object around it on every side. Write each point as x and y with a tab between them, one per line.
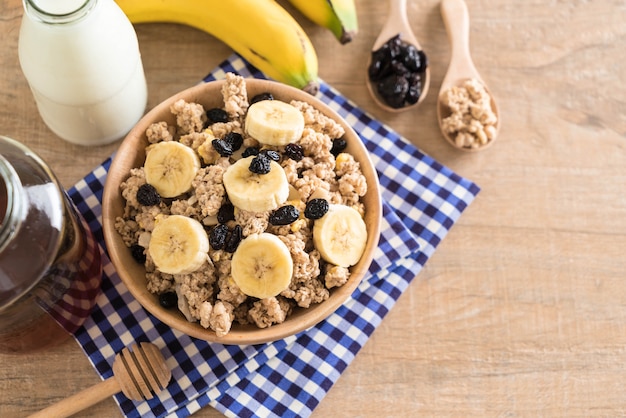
398	76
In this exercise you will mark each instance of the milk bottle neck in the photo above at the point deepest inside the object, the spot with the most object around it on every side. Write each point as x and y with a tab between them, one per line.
56	12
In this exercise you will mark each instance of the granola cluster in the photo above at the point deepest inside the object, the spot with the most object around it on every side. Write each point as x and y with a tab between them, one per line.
472	122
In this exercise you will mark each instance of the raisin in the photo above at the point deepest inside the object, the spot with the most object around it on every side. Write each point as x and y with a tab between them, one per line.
261	96
271	154
316	208
250	151
260	164
216	115
222	147
399	69
168	300
234	139
381	63
284	215
294	151
233	240
339	145
415	88
410	57
423	61
393	89
226	213
147	195
395	46
217	236
137	251
376	69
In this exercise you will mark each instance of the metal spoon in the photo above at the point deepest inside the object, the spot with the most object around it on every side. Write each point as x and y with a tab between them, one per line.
397	24
140	373
461	67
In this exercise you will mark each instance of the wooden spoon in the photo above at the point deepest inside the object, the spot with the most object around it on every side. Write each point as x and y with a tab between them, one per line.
461	67
140	373
397	24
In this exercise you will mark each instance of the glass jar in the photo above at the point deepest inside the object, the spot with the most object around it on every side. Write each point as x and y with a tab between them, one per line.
82	62
50	267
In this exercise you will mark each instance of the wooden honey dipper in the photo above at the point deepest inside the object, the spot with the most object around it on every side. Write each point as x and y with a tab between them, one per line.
139	373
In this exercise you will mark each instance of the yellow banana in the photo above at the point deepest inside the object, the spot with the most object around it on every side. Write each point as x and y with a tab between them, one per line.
337	15
261	31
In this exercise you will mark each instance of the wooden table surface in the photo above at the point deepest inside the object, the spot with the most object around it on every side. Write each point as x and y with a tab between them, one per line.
522	309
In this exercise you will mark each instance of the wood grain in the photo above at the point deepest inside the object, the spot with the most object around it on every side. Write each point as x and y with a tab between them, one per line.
522	309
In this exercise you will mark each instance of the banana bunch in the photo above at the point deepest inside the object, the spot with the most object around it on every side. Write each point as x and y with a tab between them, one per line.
339	16
261	31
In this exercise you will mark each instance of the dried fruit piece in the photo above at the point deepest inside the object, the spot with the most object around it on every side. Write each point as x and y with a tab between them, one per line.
147	195
260	164
222	147
261	96
271	154
216	115
217	237
137	251
249	152
284	215
294	151
168	300
233	239
339	145
226	213
234	139
316	208
393	90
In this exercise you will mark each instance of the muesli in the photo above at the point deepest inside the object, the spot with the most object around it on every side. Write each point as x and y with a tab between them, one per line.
472	121
243	213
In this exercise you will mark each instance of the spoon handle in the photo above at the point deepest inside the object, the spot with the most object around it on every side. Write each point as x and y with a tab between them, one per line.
456	19
397	23
81	400
397	12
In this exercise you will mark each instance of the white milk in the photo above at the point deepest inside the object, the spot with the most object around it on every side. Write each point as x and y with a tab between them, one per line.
84	69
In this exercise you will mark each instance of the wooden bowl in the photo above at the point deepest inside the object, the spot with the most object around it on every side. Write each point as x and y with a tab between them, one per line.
131	153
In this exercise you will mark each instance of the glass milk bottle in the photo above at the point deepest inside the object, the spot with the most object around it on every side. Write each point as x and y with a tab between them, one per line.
81	59
50	266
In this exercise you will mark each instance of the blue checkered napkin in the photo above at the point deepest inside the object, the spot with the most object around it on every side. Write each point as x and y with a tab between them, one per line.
197	367
290	376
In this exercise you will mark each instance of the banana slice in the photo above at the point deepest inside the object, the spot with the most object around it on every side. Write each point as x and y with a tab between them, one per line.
178	245
273	122
262	266
171	167
340	235
256	192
